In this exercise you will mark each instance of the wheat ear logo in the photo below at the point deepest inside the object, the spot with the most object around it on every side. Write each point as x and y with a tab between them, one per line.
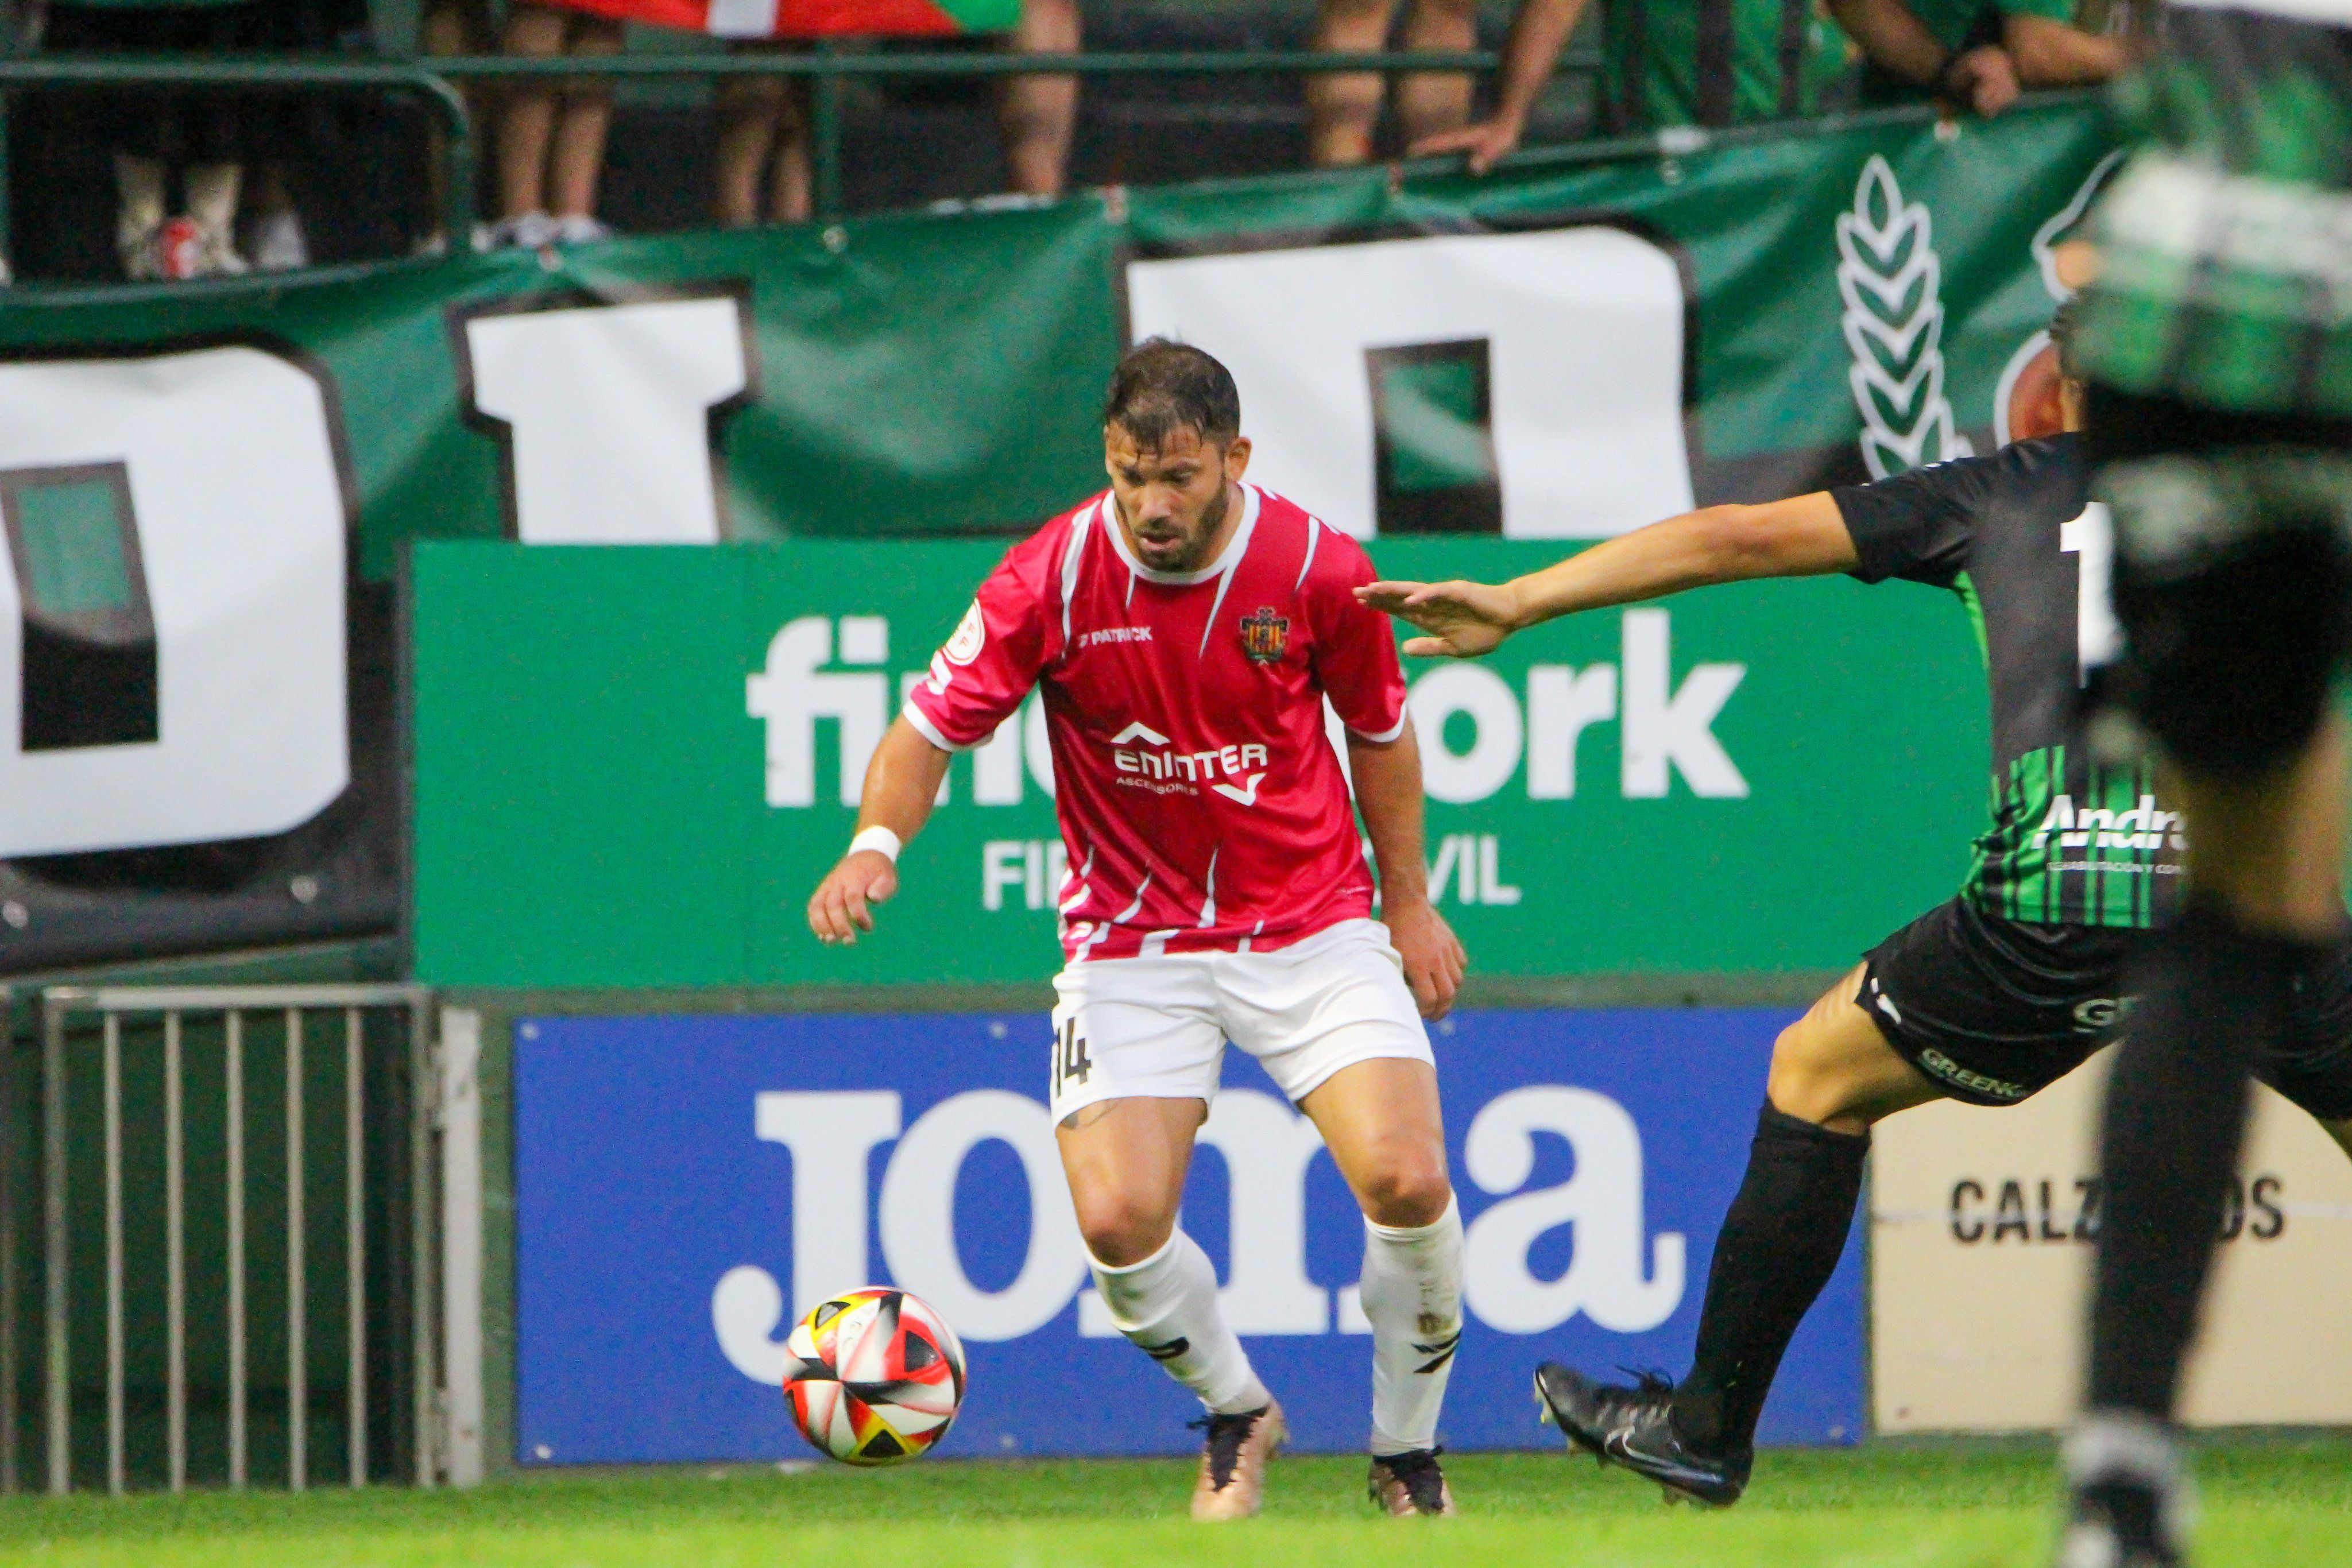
1891	281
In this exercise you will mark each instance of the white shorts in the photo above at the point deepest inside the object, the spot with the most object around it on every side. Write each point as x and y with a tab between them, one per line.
1155	1028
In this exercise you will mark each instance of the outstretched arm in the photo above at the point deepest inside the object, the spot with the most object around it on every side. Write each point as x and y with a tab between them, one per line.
1539	31
1388	792
2051	52
901	782
1891	34
1804	536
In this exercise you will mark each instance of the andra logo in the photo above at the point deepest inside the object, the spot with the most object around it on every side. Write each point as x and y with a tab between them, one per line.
1264	635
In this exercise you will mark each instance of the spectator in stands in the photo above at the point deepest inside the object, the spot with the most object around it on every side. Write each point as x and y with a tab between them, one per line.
445	28
1037	113
1342	110
159	139
2044	48
763	129
291	135
1722	62
551	134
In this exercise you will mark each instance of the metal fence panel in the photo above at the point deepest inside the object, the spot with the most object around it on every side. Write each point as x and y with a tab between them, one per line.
166	1044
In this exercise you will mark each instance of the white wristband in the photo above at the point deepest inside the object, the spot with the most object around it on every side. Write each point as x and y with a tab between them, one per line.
879	839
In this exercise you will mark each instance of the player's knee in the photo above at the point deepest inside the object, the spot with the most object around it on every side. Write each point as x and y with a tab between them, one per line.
1411	1188
1802	1083
1119	1229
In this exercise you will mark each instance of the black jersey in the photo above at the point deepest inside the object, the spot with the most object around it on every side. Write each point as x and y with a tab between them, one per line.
2017	537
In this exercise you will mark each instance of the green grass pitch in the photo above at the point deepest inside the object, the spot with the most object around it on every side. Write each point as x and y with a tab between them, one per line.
2277	1502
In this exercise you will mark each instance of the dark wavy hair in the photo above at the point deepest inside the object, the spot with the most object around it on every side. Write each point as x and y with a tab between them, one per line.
1161	387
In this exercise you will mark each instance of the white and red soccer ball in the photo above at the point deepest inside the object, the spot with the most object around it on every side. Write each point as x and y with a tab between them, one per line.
873	1377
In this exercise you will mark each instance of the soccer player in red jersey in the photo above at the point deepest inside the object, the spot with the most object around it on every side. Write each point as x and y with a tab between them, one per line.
1187	629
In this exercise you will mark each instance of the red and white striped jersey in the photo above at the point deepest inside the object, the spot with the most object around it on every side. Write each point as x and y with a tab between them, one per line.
1201	805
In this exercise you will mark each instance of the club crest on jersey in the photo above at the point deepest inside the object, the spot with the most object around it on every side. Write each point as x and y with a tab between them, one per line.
1264	635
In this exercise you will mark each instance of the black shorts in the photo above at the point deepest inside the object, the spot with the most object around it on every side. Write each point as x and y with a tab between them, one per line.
1996	1011
2233	575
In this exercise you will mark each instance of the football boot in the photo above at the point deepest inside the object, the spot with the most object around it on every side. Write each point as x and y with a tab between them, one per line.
1410	1483
2131	1500
1232	1462
1634	1427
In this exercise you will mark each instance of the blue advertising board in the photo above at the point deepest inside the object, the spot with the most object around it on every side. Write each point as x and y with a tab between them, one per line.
687	1185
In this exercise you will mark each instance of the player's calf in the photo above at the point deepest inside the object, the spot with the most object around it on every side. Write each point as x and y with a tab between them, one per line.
1411	1295
1166	1305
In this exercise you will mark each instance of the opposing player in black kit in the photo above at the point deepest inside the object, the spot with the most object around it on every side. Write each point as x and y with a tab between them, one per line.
1987	999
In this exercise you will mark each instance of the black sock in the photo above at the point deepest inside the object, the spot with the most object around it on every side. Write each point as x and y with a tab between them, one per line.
1779	1245
2210	998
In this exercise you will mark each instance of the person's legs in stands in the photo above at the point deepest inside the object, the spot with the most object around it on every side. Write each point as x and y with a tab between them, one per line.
1038	113
756	116
790	181
529	121
1342	110
1429	102
746	111
445	28
580	129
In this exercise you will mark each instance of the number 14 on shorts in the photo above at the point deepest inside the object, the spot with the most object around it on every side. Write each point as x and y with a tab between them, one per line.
1071	1064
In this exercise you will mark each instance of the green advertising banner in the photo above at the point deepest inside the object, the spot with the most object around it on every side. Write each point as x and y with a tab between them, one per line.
630	772
1558	352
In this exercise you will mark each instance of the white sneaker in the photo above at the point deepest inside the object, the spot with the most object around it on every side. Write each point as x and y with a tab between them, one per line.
528	231
141	251
279	243
579	228
184	248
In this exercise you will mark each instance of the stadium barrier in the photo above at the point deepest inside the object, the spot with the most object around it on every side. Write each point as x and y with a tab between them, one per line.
387	1139
87	72
827	67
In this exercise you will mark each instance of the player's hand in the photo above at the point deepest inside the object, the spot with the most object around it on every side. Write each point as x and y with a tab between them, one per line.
1983	79
1464	620
1432	955
1484	141
843	904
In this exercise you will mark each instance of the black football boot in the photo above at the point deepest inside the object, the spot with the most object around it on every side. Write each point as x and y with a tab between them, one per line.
1634	1427
2131	1497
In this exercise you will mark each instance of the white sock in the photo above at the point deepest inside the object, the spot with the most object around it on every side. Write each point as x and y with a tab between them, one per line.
1166	1305
1411	1295
140	213
212	199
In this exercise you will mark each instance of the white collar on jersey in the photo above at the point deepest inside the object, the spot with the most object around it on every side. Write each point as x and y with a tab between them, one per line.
1235	547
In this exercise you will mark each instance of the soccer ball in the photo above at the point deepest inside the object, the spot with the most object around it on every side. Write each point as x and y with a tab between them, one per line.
873	1377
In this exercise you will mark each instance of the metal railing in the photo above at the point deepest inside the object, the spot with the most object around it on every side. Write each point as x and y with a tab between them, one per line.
88	72
295	1007
827	68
